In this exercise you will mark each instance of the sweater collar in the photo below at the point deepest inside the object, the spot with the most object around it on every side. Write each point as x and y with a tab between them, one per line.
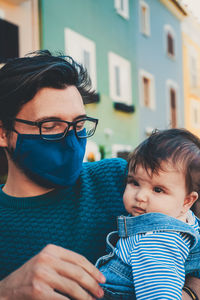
30	202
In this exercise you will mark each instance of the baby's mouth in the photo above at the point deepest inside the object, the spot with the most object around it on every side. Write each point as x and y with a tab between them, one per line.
139	210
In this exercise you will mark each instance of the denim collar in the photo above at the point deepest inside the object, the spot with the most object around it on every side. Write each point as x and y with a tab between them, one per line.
128	225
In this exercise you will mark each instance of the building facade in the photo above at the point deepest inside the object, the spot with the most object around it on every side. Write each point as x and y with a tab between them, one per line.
133	52
19	27
191	68
101	35
19	34
159	64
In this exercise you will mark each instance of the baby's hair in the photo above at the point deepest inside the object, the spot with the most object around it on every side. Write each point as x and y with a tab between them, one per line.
178	147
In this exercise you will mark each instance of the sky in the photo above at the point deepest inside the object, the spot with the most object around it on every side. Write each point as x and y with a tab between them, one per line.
194	6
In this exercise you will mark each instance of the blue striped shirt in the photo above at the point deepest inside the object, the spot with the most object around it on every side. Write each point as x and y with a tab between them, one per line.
157	259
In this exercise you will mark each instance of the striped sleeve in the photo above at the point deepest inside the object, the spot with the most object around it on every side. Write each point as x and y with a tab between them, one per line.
158	265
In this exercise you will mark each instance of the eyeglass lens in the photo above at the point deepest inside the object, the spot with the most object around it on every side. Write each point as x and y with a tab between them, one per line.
57	129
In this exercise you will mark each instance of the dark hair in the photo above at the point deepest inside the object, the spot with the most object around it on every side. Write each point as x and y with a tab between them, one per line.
21	78
177	146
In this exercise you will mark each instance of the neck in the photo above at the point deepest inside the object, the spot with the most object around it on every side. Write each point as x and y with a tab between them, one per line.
18	185
182	217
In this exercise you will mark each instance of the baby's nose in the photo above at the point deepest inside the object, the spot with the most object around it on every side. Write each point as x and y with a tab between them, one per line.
142	195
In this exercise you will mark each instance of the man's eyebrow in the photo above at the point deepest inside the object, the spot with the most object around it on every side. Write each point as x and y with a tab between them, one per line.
80	117
47	118
53	118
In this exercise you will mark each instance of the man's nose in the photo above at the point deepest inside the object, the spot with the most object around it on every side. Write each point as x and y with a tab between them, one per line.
142	195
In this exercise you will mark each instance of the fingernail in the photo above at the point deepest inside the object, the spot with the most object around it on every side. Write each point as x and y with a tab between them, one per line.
100	293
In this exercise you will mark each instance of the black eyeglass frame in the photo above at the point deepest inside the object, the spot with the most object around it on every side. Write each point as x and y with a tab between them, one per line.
70	124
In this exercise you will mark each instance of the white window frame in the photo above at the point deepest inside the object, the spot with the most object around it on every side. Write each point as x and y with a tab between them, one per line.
195	105
171	84
122	8
168	29
193	73
2	14
75	45
125	88
147	30
120	147
150	77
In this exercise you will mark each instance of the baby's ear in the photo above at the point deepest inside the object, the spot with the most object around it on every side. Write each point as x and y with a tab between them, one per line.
189	200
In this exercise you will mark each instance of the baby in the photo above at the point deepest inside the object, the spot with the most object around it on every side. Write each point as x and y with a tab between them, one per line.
154	241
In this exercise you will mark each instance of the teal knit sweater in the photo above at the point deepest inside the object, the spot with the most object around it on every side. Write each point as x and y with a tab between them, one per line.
77	218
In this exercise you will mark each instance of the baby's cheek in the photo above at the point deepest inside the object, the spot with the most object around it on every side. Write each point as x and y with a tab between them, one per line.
127	205
126	199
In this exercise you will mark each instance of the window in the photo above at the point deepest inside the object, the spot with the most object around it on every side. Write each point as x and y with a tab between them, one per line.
117	80
121	151
172	104
122	8
120	79
9	38
193	67
144	18
173	117
84	53
170	44
170	41
2	14
195	113
147	89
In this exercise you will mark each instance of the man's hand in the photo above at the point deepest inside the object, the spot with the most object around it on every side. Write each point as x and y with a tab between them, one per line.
194	284
53	269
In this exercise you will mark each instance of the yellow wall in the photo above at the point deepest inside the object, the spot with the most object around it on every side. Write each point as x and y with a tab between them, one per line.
190	41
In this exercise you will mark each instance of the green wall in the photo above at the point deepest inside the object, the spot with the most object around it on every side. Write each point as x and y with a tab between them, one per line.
98	21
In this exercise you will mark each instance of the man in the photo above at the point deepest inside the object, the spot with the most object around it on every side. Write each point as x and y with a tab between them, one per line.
54	211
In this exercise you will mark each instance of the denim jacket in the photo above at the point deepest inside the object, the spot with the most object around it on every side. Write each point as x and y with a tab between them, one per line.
119	281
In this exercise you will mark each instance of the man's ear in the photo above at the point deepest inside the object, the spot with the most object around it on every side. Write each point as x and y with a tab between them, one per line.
189	200
3	136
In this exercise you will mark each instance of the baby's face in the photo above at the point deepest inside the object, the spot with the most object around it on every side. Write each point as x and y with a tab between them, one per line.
164	192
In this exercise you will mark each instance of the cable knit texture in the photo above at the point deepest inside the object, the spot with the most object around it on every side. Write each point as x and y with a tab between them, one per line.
77	218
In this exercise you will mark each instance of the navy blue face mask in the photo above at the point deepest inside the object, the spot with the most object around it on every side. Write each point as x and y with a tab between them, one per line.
55	163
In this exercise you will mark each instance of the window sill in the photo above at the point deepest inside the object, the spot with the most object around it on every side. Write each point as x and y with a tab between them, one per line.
171	57
124	107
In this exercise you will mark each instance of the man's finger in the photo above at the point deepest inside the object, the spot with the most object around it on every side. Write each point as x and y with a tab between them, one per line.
79	275
71	288
74	258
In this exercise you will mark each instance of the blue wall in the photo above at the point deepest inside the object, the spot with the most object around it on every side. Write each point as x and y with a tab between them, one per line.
153	58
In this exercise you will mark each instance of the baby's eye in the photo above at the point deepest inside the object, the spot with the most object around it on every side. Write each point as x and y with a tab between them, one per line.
158	189
132	181
135	183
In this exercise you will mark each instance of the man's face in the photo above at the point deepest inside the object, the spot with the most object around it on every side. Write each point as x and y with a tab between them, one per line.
64	104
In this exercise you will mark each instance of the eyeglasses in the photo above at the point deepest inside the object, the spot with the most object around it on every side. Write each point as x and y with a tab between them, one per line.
56	129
